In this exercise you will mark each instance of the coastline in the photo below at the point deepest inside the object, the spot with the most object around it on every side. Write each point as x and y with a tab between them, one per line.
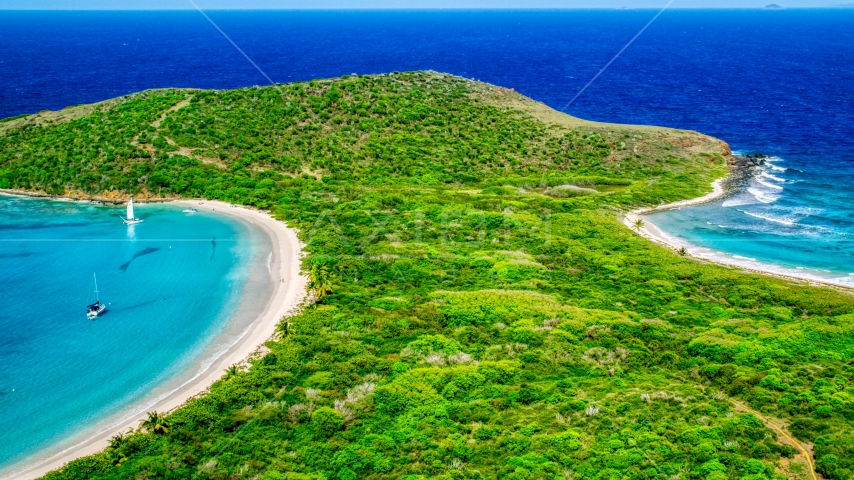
285	298
651	232
113	199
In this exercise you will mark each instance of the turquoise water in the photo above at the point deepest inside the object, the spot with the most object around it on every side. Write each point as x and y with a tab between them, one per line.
172	284
783	218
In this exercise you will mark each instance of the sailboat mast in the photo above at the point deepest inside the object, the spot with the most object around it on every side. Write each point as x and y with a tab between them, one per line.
130	209
97	296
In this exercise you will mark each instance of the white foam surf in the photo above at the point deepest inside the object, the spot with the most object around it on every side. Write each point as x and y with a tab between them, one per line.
739	201
762	195
772	177
769	185
770	218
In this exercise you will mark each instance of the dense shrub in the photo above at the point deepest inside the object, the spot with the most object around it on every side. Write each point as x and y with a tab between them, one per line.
478	322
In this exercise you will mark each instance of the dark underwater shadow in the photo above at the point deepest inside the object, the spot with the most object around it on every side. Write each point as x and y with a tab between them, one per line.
17	255
143	252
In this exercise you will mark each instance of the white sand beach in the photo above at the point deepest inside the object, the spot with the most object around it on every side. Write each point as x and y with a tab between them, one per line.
651	232
287	296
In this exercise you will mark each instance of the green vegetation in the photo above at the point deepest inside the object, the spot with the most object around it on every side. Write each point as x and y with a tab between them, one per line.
480	310
155	423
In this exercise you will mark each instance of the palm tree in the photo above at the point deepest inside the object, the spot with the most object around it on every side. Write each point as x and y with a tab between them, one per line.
116	457
156	423
638	224
284	327
232	371
319	281
119	440
683	252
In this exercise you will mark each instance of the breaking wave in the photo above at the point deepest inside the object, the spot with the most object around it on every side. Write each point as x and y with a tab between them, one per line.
769	185
781	220
763	195
739	201
772	177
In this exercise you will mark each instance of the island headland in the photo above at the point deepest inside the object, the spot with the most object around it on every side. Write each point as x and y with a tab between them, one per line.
480	309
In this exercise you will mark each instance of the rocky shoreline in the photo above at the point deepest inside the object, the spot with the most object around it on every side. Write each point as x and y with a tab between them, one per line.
112	198
742	169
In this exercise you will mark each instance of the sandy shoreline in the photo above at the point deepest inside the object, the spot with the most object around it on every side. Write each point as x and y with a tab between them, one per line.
651	232
284	300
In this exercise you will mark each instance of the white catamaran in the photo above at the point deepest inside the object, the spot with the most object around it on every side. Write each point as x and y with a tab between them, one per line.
131	220
96	308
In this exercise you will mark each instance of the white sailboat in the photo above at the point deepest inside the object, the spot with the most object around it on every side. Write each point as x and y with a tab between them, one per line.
96	308
130	219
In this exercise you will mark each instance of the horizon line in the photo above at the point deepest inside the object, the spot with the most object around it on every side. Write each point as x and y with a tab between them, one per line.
339	9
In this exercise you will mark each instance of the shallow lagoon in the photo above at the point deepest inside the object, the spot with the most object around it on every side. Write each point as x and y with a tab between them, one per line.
180	290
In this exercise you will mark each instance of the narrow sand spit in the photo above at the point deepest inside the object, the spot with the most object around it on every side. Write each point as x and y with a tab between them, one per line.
655	234
285	299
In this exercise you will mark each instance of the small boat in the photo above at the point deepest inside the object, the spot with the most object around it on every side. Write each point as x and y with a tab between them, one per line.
95	309
130	219
190	210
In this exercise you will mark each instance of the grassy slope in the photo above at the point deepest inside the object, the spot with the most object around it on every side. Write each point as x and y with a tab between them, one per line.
481	324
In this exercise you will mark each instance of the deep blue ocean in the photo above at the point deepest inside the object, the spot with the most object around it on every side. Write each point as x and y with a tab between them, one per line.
771	82
171	285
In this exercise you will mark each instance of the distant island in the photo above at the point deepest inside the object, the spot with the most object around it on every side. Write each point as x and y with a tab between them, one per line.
773	6
477	307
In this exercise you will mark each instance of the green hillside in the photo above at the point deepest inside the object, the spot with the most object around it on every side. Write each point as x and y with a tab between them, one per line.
481	312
